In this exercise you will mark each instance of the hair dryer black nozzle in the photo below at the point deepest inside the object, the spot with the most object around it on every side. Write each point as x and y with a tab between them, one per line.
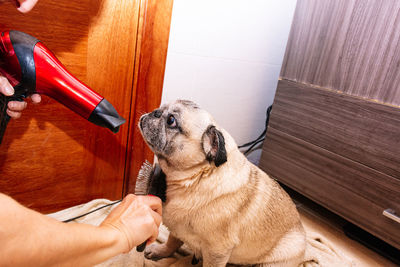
105	115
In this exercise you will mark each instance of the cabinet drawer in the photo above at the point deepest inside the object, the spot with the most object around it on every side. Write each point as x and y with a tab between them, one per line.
350	189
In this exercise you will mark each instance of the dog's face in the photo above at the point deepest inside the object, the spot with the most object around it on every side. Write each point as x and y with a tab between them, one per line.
184	135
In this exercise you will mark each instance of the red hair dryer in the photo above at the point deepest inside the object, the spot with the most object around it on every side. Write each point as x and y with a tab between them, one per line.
32	68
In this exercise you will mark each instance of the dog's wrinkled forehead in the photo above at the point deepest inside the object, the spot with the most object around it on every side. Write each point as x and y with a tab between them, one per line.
187	103
191	116
180	105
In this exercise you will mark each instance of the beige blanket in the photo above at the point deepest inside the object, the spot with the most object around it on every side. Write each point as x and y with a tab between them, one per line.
319	251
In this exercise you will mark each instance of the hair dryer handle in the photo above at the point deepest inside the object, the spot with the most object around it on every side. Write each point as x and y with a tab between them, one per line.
4	118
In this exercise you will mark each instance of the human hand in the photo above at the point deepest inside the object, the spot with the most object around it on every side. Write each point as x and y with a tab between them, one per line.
135	220
14	108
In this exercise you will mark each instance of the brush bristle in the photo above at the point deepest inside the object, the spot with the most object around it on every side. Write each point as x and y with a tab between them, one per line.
143	179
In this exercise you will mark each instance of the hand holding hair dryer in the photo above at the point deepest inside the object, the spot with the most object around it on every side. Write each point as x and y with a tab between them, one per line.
32	68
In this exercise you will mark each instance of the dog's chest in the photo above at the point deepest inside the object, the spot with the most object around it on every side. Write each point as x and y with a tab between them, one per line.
183	223
177	216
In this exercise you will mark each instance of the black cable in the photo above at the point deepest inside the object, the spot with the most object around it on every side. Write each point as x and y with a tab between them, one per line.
87	213
250	148
250	143
262	135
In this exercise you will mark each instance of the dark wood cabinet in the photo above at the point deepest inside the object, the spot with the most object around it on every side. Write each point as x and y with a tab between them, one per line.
334	132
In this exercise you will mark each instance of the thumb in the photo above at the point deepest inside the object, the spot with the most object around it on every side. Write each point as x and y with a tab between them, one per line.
117	212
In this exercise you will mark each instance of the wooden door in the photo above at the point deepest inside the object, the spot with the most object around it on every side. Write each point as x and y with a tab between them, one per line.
51	158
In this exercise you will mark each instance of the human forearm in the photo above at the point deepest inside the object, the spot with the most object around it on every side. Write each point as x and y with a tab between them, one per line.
84	245
41	241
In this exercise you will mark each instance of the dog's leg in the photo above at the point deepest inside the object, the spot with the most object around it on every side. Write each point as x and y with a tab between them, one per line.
213	258
158	251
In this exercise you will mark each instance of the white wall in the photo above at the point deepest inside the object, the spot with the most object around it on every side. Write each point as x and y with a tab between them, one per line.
226	55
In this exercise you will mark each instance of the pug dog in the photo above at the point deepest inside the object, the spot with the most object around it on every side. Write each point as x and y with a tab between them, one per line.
224	208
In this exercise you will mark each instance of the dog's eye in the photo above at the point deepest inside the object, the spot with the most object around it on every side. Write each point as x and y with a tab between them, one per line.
171	120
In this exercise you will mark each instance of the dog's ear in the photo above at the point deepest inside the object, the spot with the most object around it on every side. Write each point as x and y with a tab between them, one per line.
213	143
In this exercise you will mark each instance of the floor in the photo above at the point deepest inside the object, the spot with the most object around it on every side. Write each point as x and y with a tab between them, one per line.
318	219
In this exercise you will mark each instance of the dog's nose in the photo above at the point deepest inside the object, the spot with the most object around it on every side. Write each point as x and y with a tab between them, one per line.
157	113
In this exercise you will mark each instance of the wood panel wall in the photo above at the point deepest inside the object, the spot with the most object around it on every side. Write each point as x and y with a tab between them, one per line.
334	131
352	46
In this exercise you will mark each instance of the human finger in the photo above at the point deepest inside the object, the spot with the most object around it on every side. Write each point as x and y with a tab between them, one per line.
153	202
25	6
5	86
157	218
17	105
13	114
36	98
154	235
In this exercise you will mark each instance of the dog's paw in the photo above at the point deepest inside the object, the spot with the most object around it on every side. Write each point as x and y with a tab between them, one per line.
156	252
